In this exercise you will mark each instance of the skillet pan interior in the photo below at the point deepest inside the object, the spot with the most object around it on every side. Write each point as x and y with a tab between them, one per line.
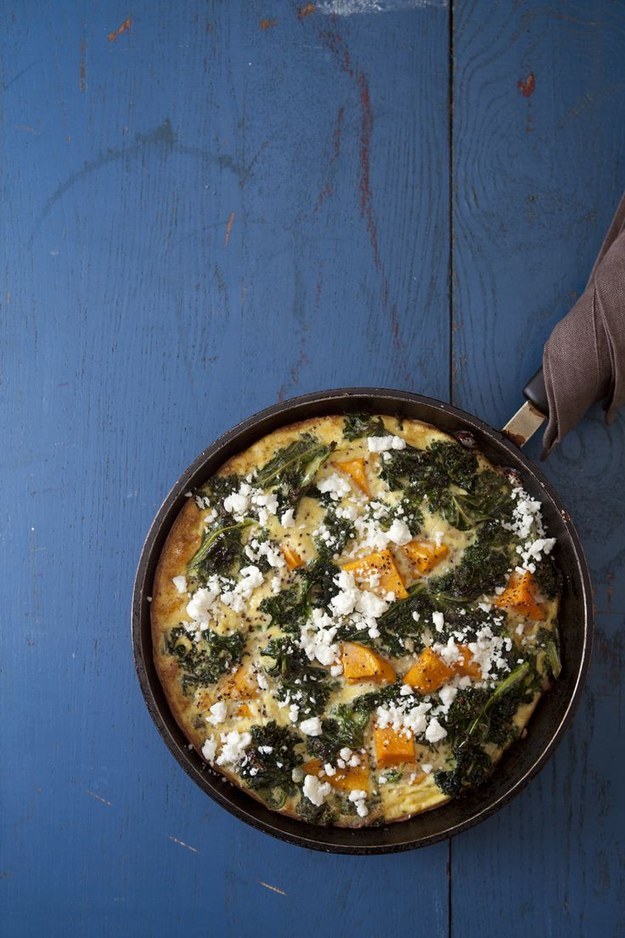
524	758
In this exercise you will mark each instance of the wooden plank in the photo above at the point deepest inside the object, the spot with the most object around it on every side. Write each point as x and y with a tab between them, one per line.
538	150
208	207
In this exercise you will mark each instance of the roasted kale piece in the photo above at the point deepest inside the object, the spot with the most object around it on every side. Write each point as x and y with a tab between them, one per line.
298	681
313	586
397	626
221	551
269	762
471	767
204	662
345	728
484	566
291	472
358	425
339	532
549	578
477	717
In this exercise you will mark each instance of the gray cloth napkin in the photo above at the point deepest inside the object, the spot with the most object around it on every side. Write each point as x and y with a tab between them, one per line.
584	358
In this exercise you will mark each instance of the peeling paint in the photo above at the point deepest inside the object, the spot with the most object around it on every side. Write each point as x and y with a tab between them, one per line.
121	29
229	224
527	86
354	7
280	892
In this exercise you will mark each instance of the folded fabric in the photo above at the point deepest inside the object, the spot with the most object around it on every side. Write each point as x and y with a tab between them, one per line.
584	357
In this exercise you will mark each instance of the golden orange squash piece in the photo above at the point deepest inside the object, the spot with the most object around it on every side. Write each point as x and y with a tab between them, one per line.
242	685
353	778
292	558
244	711
355	469
428	673
467	667
363	664
425	555
392	747
520	596
379	568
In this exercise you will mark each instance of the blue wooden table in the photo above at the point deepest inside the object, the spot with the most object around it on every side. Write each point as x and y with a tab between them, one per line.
211	206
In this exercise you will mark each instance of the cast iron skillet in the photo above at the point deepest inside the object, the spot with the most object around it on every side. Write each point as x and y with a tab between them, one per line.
518	765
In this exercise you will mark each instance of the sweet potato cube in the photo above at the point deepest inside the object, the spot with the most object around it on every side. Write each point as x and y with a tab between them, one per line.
392	747
293	559
242	685
352	778
425	555
363	664
428	673
355	469
520	596
244	710
466	666
378	572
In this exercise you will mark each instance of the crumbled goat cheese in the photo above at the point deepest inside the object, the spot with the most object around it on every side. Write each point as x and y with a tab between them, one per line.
435	732
488	650
439	621
180	582
426	767
358	798
251	578
233	747
381	444
293	713
447	694
236	504
287	520
200	604
335	486
208	750
311	727
315	790
399	532
218	713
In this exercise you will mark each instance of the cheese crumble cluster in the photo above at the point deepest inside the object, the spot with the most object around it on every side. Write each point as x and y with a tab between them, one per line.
366	621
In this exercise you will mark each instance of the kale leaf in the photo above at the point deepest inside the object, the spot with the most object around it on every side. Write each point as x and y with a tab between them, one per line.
477	717
204	662
483	567
339	532
291	471
549	578
358	425
221	551
298	681
269	762
344	728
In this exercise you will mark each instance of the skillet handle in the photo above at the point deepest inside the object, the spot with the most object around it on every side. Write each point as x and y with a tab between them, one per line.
536	393
532	414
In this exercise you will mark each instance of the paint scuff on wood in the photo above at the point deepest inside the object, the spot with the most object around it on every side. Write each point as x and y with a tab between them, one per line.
229	224
121	29
268	24
181	843
93	794
527	86
354	7
280	892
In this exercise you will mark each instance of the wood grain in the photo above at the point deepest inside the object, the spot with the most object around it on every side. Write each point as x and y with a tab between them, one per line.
538	169
202	216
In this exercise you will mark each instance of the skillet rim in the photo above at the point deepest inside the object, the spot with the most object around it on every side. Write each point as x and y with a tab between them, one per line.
394	837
